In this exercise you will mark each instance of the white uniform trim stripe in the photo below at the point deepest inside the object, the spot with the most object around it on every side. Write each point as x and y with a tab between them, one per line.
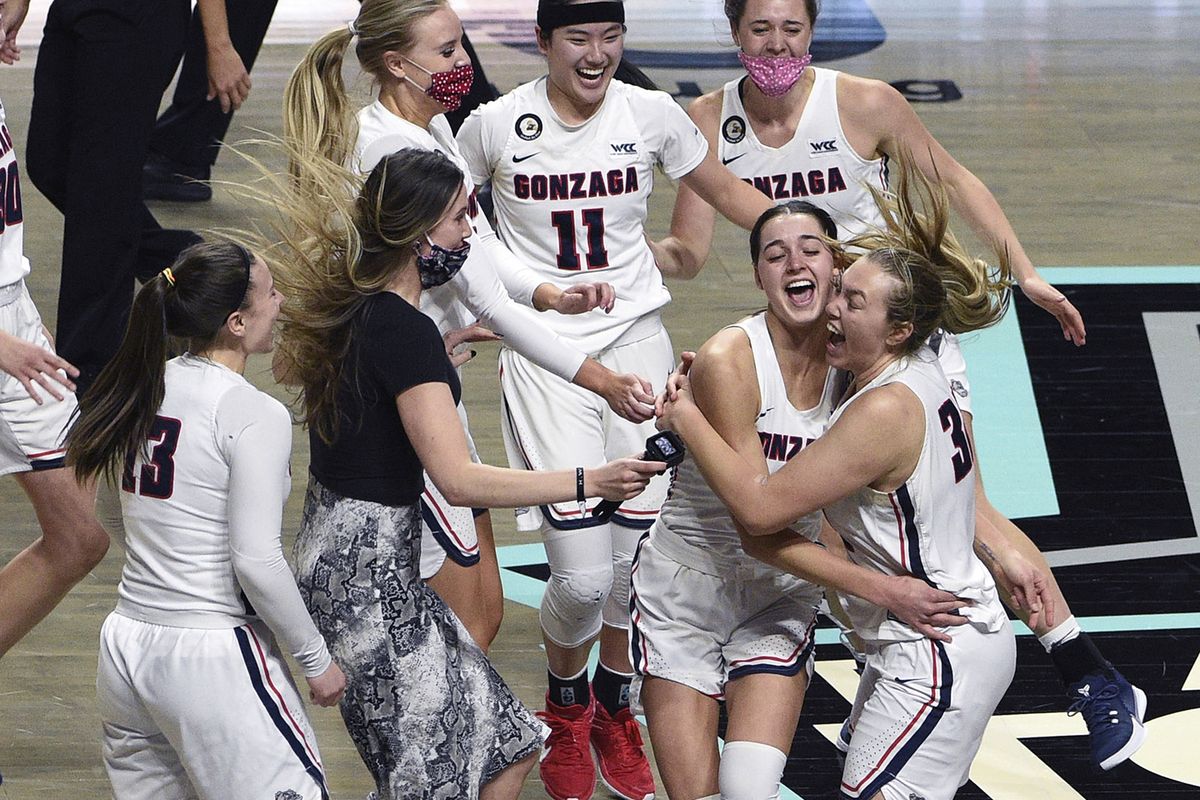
743	665
447	526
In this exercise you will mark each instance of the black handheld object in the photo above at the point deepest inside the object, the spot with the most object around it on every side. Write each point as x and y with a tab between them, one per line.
662	446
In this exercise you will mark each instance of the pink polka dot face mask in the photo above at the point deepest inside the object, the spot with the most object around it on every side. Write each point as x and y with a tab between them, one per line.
776	76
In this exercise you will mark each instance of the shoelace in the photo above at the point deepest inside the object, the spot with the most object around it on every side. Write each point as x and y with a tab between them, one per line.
629	754
1099	700
562	730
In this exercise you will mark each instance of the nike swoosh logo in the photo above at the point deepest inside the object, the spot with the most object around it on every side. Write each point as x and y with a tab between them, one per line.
519	159
763	414
904	680
728	161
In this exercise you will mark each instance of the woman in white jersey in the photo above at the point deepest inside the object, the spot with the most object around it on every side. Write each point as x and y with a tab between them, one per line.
195	698
413	51
571	158
709	621
827	136
893	476
37	401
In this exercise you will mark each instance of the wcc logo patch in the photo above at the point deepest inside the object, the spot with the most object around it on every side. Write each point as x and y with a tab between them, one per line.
624	148
821	148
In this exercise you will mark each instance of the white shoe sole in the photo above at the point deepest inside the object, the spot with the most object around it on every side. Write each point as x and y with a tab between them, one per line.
1136	740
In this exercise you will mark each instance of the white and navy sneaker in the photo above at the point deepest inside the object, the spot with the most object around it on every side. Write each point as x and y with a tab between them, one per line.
1113	709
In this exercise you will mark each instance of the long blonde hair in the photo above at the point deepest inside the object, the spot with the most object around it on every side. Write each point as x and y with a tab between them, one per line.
938	283
317	114
335	239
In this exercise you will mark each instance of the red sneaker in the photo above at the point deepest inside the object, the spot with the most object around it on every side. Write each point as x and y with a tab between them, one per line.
617	741
566	767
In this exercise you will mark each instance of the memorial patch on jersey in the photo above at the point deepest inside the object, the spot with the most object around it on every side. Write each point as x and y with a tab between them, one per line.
529	126
576	185
785	186
733	129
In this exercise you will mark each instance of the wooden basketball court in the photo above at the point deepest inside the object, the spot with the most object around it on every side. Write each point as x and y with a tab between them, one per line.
1084	120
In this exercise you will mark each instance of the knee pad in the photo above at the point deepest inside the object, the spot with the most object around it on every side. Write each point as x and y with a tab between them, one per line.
624	545
751	771
571	606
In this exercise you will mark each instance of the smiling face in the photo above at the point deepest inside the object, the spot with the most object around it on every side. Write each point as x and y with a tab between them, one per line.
453	229
258	316
774	28
795	270
582	60
861	336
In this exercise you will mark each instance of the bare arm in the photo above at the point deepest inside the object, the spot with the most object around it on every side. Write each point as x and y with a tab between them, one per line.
738	201
228	80
874	442
684	251
911	600
12	14
433	427
877	108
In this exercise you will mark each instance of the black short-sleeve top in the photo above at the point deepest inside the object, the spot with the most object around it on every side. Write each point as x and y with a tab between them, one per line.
393	348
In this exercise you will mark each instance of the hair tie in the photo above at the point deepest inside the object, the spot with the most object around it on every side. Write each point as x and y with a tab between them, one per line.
353	30
169	275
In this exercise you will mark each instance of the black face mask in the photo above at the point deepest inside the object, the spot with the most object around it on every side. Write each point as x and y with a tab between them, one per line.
441	264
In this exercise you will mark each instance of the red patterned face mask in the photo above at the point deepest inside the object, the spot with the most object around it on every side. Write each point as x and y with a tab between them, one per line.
449	87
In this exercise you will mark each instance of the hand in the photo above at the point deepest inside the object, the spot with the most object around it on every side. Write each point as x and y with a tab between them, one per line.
583	297
675	402
1054	301
475	332
621	479
228	79
629	396
923	607
31	364
12	14
1025	586
676	378
326	689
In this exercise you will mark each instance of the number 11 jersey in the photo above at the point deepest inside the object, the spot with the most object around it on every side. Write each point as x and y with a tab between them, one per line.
571	199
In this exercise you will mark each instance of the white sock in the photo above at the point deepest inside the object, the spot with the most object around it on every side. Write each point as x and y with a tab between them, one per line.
1061	633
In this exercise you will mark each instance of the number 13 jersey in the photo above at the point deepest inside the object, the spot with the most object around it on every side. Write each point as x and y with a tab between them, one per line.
571	199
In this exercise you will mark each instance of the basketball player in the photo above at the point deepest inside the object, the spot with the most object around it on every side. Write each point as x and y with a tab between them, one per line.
571	158
895	462
195	698
37	401
708	620
798	131
413	51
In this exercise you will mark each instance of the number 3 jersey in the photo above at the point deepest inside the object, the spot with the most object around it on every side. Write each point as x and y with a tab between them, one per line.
926	527
571	199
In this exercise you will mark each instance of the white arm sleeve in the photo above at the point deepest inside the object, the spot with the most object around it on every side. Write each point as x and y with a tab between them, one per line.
479	288
519	280
256	434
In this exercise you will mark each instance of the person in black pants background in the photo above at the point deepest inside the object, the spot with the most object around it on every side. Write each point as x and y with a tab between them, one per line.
188	135
102	68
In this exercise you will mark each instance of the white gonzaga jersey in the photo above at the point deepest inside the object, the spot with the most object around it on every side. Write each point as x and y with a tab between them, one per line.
571	200
13	264
178	567
817	165
693	514
926	527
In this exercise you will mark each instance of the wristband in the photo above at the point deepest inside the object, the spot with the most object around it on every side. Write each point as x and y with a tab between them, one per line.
580	497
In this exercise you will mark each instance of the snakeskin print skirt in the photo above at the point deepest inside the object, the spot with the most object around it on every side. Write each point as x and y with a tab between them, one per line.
428	714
